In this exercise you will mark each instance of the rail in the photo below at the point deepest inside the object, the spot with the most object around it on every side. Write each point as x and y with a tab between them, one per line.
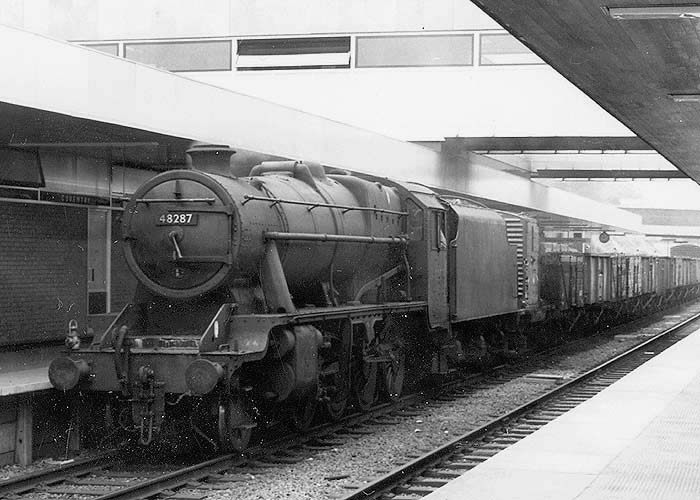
27	482
402	475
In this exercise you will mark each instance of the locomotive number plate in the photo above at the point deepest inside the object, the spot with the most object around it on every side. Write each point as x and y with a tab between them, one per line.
177	219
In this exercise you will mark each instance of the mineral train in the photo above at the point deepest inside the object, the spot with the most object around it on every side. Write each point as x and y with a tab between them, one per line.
269	293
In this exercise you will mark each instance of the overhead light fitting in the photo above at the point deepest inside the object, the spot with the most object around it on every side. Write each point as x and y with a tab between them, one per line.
684	97
654	12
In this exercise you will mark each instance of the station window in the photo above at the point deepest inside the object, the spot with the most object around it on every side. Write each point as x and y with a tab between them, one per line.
414	50
210	55
107	48
503	49
126	180
20	168
293	53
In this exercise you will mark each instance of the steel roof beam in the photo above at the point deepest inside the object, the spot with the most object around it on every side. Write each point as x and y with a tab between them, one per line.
560	143
569	173
671	231
486	178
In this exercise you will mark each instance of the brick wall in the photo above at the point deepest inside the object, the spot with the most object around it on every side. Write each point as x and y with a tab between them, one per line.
42	271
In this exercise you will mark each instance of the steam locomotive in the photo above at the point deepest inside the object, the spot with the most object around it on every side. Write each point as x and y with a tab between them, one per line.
275	291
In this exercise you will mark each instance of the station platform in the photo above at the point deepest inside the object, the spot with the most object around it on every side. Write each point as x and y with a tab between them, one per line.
637	439
24	381
23	377
25	370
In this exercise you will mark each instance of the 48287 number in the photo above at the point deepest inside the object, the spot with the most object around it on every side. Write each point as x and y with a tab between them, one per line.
177	219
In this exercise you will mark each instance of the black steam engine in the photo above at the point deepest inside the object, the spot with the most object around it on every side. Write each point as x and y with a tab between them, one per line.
274	292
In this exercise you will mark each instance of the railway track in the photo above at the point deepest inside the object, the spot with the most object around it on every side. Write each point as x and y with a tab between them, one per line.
28	482
436	468
109	477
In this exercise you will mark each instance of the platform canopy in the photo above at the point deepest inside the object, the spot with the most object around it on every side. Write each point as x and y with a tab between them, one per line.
638	59
55	94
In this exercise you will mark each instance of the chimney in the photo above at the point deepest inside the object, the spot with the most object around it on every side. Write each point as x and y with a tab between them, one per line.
211	158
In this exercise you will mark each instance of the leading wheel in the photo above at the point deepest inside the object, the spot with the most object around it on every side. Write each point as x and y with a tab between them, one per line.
234	426
239	438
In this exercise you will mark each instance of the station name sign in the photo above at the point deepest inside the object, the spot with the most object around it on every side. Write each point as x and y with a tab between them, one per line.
57	197
73	199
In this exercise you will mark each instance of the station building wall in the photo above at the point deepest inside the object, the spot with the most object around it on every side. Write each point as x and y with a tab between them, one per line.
106	19
60	248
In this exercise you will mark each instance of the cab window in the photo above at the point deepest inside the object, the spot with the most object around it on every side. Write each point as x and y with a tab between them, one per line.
439	238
